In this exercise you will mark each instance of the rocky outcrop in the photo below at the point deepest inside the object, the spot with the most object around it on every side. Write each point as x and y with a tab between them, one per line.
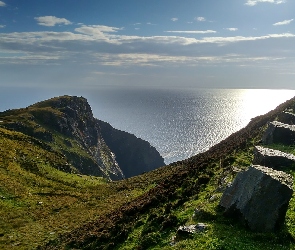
183	232
287	118
92	147
259	197
278	132
66	124
133	155
73	117
272	158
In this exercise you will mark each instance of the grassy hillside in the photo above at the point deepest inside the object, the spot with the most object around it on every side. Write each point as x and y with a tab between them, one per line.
39	203
150	221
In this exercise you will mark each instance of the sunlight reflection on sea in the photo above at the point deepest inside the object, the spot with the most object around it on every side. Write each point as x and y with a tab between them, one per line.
183	122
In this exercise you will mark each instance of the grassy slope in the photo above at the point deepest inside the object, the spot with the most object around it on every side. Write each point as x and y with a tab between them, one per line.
38	202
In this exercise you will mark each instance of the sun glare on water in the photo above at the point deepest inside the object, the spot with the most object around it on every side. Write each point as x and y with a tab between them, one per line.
260	101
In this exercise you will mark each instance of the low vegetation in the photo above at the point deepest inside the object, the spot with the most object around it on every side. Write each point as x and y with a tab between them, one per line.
38	201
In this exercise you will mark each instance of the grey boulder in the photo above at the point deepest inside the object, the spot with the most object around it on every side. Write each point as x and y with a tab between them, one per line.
278	132
259	197
287	117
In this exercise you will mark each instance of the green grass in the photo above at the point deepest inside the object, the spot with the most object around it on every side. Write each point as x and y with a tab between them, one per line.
284	148
221	232
39	202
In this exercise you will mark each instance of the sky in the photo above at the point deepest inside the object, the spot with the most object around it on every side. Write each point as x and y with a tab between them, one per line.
75	44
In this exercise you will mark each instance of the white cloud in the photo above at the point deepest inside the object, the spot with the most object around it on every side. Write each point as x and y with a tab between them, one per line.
51	21
2	26
174	19
283	22
224	40
200	19
254	2
143	59
189	41
99	32
85	42
2	4
232	29
96	29
191	31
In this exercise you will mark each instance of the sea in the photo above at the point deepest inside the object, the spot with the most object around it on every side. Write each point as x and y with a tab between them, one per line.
182	122
178	122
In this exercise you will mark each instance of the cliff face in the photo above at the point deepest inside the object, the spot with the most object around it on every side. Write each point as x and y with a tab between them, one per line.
66	125
134	155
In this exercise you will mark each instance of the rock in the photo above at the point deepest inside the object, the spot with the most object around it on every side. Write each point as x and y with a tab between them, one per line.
272	158
213	198
186	231
278	132
287	118
133	154
201	227
259	197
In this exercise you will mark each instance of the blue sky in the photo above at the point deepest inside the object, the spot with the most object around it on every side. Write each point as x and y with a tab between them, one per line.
75	44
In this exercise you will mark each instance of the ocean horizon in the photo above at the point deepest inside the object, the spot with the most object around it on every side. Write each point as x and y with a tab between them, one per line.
178	122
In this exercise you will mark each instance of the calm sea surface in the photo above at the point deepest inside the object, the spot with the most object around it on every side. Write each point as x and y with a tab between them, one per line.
182	122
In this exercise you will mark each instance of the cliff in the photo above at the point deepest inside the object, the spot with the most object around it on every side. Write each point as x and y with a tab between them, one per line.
133	155
66	124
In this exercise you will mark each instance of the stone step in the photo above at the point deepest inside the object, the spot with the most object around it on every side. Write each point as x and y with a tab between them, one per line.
272	158
287	118
278	132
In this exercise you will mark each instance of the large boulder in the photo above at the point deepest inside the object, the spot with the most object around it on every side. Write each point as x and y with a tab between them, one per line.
272	158
287	118
259	197
278	132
